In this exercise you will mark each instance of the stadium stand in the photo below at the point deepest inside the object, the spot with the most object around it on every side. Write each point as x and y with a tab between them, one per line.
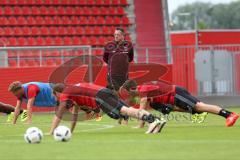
60	22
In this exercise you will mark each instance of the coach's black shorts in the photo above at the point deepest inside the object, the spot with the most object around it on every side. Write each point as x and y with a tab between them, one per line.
109	103
184	100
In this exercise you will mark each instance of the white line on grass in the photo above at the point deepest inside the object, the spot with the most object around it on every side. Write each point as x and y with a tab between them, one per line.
103	127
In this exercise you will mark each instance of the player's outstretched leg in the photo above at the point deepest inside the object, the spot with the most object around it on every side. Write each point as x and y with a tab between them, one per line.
155	124
231	117
9	110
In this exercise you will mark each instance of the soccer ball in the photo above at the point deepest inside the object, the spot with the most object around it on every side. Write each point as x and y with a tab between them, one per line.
33	135
62	134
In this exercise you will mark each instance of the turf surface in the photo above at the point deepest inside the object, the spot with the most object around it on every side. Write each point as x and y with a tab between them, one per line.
105	140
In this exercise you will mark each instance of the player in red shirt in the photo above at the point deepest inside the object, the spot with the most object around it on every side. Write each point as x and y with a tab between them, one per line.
97	97
166	97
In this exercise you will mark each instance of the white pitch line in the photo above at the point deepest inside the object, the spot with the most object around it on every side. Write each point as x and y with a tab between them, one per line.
103	127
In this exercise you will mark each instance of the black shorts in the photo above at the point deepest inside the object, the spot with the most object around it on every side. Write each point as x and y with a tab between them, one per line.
109	103
184	100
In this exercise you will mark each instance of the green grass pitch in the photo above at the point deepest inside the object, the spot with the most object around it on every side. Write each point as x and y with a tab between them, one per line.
106	140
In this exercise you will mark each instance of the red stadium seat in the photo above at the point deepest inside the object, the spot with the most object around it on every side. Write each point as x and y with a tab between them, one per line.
55	2
100	20
60	10
86	11
31	20
17	10
31	41
40	20
96	11
90	2
120	11
88	30
12	21
26	31
106	30
48	62
107	2
99	2
83	20
72	30
49	20
23	63
21	20
62	31
66	20
35	31
44	30
43	10
97	52
92	20
22	41
112	11
58	61
35	10
53	31
84	40
49	41
48	2
125	21
4	21
67	41
102	41
17	31
79	10
97	30
109	20
32	63
76	40
1	11
52	11
12	63
4	2
57	20
112	29
2	32
117	21
8	10
70	10
104	11
8	31
93	41
40	41
124	2
75	2
26	10
58	41
115	2
74	20
12	41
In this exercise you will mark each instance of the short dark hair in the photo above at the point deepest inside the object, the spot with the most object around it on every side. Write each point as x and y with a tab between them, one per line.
120	29
129	84
59	87
14	86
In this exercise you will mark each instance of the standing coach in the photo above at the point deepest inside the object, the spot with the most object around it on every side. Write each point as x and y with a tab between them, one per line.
118	54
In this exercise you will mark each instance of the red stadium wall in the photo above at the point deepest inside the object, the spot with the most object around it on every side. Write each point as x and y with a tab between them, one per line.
183	53
42	74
